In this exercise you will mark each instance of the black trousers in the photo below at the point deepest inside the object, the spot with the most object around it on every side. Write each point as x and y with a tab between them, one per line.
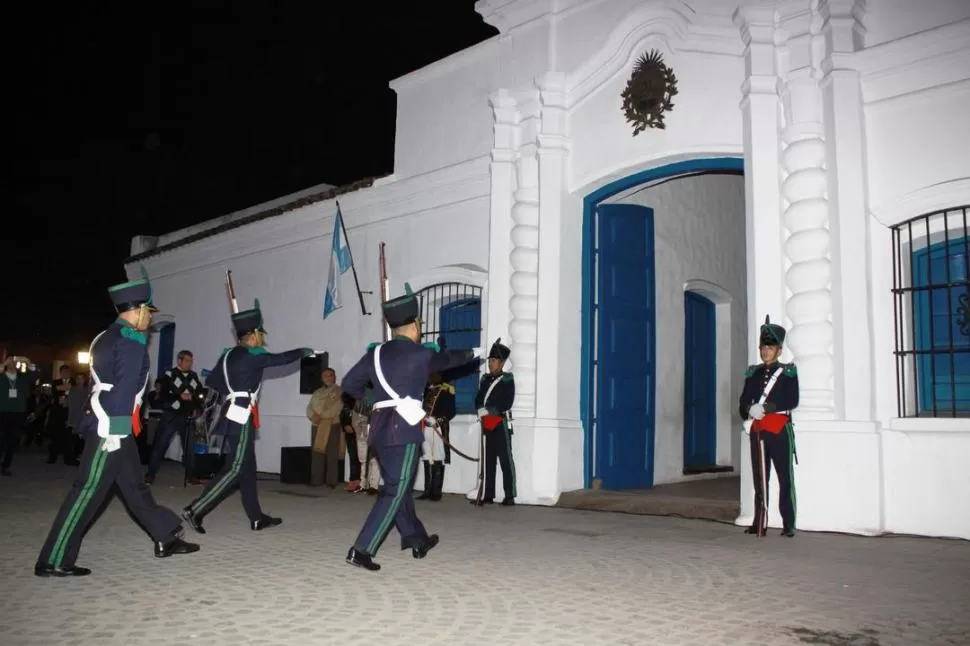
239	470
61	438
350	439
498	450
100	471
777	449
11	426
170	424
395	504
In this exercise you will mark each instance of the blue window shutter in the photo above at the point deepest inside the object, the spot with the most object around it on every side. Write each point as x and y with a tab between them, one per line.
461	326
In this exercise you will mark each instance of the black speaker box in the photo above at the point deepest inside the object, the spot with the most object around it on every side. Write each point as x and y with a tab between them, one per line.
310	369
295	464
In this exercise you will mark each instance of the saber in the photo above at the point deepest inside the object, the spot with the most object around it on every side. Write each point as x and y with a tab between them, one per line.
233	304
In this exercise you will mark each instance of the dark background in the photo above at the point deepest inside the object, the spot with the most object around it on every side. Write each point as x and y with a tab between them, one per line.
133	118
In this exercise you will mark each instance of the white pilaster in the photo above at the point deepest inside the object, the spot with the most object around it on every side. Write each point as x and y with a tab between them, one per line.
524	282
498	292
552	147
841	35
808	247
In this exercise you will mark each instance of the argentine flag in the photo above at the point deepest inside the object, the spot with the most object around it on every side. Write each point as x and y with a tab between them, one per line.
340	262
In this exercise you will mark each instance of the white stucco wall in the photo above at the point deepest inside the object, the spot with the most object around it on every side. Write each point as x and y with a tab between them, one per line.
699	239
429	225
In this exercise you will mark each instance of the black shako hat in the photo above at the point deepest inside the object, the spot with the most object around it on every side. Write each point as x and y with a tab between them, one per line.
133	294
499	351
771	333
248	321
401	310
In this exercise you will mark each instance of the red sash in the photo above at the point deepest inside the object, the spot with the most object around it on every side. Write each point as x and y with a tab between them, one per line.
136	421
255	417
491	422
773	423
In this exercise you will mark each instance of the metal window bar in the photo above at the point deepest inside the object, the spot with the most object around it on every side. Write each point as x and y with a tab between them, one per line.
913	389
431	299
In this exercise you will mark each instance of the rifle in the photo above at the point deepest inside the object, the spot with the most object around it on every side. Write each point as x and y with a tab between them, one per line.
385	288
233	304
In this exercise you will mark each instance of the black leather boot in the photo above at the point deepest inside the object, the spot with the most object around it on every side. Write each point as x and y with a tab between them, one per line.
427	482
437	479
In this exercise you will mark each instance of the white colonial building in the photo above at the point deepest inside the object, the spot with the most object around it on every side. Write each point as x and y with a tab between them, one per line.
814	167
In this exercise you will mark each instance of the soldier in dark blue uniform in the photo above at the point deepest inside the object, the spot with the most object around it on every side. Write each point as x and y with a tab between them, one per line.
770	395
496	394
399	370
237	377
119	370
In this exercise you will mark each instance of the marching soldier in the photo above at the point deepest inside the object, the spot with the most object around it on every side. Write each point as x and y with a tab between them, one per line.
496	394
439	403
399	370
769	396
238	377
119	370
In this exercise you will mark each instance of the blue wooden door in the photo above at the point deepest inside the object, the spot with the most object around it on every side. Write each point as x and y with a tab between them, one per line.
942	313
625	340
166	349
461	328
700	394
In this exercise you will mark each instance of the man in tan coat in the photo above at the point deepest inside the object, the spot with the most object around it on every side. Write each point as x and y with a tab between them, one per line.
327	437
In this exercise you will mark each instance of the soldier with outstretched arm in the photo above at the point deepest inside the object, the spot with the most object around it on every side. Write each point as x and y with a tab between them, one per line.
238	377
769	396
399	370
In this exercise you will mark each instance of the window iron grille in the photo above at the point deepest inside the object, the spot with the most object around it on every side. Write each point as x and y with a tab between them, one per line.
451	315
931	314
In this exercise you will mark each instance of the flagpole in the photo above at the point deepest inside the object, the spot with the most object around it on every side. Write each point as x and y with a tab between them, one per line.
353	265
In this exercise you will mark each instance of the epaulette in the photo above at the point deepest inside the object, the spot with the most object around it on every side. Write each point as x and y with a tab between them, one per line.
750	371
791	370
431	345
134	335
371	346
507	376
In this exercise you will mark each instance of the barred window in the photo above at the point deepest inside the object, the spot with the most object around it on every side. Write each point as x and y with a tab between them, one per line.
931	295
451	315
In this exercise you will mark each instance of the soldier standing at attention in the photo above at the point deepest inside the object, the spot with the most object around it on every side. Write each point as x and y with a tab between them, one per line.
237	377
769	396
496	394
399	370
119	370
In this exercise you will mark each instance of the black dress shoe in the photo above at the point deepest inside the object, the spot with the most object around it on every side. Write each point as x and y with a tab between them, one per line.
45	570
420	551
362	559
175	546
264	522
751	530
195	522
789	532
508	502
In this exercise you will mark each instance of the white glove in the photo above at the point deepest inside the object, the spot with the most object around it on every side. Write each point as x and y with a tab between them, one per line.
112	443
430	421
478	352
757	411
482	412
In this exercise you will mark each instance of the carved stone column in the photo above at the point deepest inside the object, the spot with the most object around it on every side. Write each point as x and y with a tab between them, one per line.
808	247
524	282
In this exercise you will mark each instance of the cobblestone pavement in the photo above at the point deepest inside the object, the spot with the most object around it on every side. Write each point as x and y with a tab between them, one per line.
501	576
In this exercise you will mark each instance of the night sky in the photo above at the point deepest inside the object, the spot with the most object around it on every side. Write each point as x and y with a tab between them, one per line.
135	119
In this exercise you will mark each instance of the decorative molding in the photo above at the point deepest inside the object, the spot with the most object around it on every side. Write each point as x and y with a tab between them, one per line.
927	199
717	294
524	283
913	49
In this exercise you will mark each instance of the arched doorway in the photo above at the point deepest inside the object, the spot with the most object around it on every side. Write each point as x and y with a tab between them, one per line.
619	372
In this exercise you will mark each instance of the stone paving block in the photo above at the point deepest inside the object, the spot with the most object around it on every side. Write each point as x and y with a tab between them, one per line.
500	577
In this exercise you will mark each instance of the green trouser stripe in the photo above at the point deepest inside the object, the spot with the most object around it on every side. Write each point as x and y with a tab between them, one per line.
231	474
508	453
80	505
402	490
791	469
